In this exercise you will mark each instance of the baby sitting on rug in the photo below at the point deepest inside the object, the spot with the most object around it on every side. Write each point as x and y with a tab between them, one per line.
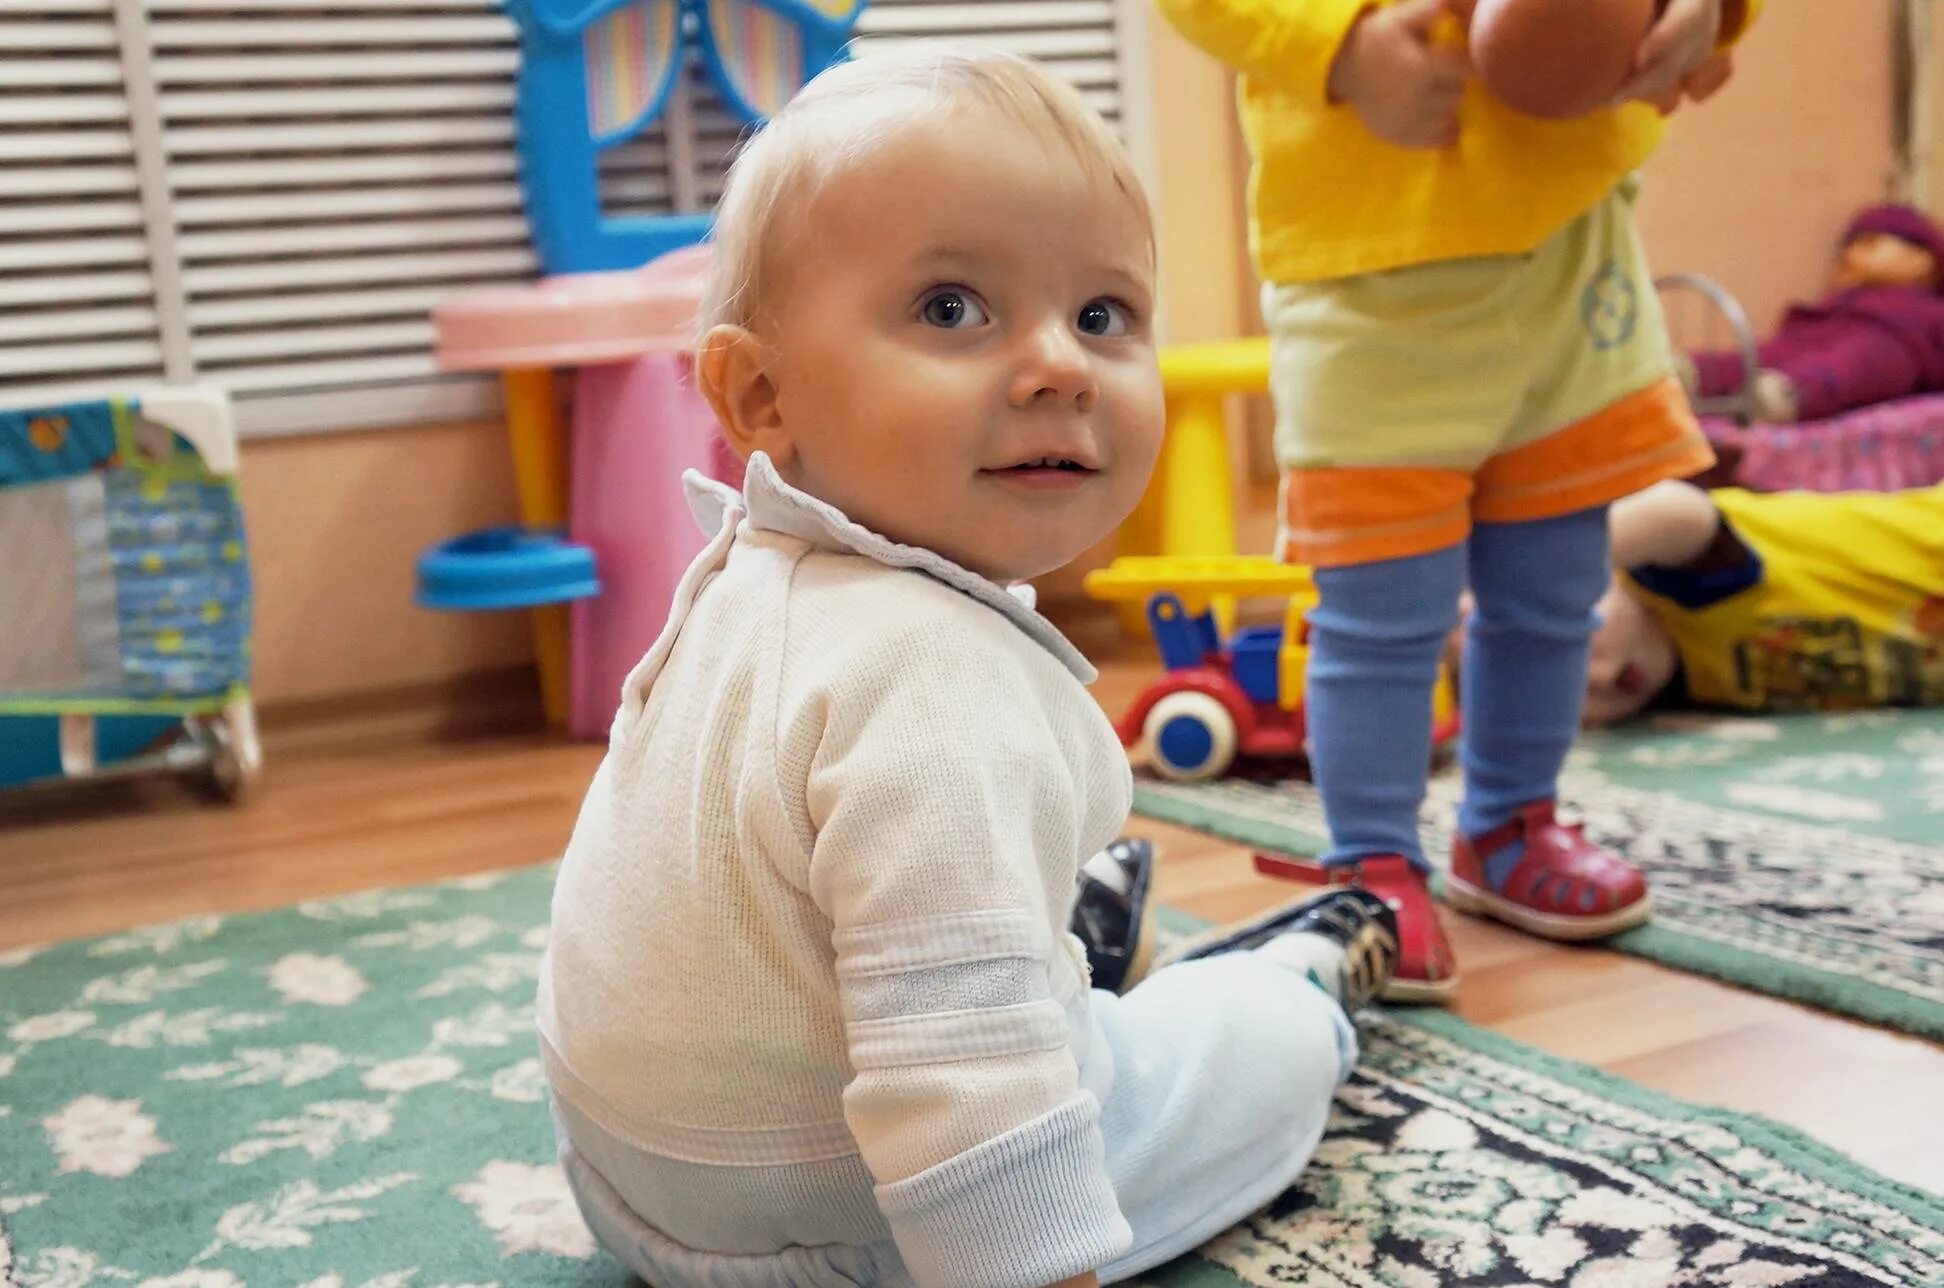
1781	602
809	1010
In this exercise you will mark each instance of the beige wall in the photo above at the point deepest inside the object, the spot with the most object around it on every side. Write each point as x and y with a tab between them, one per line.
1926	185
335	523
1201	167
1752	190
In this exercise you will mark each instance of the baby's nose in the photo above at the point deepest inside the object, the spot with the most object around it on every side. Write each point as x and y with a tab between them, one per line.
1055	370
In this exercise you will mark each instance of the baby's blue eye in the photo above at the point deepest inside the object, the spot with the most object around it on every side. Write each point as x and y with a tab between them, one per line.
953	311
1103	318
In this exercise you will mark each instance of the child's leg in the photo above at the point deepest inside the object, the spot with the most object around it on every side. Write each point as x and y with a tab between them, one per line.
1536	584
1375	641
1223	1071
1524	682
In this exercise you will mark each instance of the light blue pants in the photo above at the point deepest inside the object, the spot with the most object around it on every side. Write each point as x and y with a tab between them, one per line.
1221	1077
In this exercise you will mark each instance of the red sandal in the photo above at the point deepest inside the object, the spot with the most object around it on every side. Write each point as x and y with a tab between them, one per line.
1427	969
1563	887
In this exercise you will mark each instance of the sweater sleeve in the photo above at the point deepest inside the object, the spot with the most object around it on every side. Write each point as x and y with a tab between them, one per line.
1290	44
939	800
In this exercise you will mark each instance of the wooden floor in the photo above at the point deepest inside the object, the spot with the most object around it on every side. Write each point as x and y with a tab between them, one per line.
378	797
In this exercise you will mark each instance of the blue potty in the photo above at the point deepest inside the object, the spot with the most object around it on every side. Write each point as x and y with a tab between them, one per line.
515	567
510	567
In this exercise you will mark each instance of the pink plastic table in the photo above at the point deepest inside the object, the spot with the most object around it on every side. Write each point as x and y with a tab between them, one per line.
637	425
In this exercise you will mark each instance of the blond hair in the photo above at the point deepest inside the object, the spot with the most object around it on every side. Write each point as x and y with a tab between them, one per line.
847	112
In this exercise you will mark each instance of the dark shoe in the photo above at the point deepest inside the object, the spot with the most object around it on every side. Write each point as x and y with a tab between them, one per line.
1345	940
1427	969
1110	916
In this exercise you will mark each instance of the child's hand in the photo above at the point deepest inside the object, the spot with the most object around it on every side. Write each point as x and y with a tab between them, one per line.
1699	85
1392	72
1680	49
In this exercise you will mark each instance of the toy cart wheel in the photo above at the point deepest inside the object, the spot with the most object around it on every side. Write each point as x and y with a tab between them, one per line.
1190	737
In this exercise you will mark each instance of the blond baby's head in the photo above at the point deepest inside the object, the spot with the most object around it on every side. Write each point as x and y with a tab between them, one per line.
930	303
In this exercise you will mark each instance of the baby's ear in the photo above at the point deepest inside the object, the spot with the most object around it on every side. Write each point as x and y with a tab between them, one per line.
732	371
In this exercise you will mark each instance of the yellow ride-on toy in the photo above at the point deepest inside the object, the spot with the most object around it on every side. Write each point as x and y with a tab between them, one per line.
1224	696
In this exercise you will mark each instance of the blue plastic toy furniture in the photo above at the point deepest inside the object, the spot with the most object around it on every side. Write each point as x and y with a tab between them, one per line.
125	606
505	568
595	73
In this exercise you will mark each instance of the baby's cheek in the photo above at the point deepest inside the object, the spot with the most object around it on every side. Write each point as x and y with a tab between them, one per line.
1600	653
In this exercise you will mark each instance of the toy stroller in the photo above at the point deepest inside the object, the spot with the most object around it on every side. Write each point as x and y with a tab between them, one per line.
125	600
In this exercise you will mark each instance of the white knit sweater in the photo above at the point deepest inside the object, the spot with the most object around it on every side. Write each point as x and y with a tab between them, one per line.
814	911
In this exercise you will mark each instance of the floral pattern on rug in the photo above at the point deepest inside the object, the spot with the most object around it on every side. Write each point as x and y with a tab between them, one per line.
1455	1158
346	1094
1870	773
1731	819
341	1095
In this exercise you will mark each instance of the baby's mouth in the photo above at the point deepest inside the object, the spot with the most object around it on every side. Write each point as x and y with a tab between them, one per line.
1044	465
1631	680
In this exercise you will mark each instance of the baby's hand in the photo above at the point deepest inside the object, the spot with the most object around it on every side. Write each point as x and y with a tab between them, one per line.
1392	72
1679	49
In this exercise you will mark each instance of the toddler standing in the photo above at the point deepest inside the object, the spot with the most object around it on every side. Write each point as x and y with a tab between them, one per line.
1469	365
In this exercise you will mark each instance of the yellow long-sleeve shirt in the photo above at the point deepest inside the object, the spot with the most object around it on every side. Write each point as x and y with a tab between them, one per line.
1839	603
1330	199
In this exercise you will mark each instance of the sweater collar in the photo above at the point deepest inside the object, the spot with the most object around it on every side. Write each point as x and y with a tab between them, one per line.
769	504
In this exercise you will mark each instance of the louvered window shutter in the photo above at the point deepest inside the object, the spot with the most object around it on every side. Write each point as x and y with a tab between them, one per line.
270	195
1085	41
334	170
78	306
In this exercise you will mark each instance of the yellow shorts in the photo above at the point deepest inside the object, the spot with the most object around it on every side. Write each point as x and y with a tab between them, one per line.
1410	404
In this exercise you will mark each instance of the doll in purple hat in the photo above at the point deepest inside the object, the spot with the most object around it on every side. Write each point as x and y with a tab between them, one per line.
1878	335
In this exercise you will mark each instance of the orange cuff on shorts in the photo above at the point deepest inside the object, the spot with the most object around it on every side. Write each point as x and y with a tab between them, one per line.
1635	443
1363	514
1366	513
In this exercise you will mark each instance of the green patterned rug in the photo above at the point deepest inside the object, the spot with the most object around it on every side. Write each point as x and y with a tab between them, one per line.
345	1095
1802	857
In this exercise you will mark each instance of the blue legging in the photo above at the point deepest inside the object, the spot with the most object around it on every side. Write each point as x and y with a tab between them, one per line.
1375	641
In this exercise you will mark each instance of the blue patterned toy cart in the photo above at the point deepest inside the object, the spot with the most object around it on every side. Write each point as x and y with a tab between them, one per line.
124	592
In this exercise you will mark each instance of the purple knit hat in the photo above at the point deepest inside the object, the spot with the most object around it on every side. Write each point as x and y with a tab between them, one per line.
1904	222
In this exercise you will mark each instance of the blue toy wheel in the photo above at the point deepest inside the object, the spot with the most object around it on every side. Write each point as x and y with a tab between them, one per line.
1186	742
1190	736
